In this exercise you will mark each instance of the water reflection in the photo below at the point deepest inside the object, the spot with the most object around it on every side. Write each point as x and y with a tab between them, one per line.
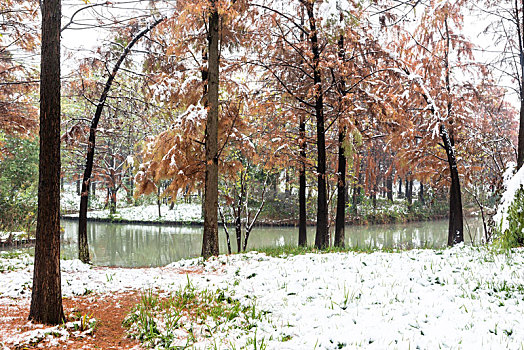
150	245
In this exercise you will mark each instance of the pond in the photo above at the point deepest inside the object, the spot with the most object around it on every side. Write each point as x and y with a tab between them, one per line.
131	245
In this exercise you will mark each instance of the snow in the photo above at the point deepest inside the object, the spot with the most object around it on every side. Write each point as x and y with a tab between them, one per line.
511	185
463	297
181	212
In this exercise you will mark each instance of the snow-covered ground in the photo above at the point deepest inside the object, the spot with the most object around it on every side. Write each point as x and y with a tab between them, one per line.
181	212
459	298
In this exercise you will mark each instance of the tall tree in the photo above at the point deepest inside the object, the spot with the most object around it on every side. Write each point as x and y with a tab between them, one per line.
436	50
507	29
210	239
322	233
46	298
83	248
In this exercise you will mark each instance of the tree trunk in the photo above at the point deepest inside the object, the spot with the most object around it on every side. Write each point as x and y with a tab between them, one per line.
520	152
421	194
409	193
456	229
389	186
341	192
238	224
46	298
400	187
322	233
210	239
158	202
112	200
411	190
302	214
83	249
288	184
340	219
520	28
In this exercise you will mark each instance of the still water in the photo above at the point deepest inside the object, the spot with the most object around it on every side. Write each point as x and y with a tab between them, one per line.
129	245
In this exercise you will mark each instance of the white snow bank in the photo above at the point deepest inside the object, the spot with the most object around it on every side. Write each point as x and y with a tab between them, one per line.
463	297
182	212
512	184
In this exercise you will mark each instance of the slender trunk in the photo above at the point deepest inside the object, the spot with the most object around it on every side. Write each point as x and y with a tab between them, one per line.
210	238
322	234
340	219
249	225
83	249
389	186
46	298
520	34
354	199
400	187
238	224
456	226
341	192
226	231
411	190
409	193
421	194
112	203
78	187
288	184
520	152
302	215
158	202
112	188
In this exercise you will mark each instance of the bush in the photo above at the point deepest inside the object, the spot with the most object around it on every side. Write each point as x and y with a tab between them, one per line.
513	236
18	184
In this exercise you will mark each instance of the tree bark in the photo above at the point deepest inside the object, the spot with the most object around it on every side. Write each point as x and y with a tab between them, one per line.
421	194
456	226
409	192
520	152
520	29
302	214
302	211
389	186
322	233
158	202
46	298
341	192
78	187
83	248
210	239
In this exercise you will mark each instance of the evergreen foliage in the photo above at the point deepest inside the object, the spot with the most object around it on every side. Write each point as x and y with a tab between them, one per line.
18	184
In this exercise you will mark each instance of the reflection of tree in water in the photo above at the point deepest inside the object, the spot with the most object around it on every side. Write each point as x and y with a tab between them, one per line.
150	245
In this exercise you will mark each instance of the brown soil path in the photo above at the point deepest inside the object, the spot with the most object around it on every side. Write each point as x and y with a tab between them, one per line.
109	311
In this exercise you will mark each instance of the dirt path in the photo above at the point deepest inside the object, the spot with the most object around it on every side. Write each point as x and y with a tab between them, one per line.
109	311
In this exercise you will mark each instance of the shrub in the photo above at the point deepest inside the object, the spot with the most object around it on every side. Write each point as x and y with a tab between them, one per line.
513	235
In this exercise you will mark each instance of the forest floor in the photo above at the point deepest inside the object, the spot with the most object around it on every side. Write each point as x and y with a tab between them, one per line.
459	298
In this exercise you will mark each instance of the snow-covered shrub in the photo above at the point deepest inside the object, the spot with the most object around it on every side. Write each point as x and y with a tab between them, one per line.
513	235
509	217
